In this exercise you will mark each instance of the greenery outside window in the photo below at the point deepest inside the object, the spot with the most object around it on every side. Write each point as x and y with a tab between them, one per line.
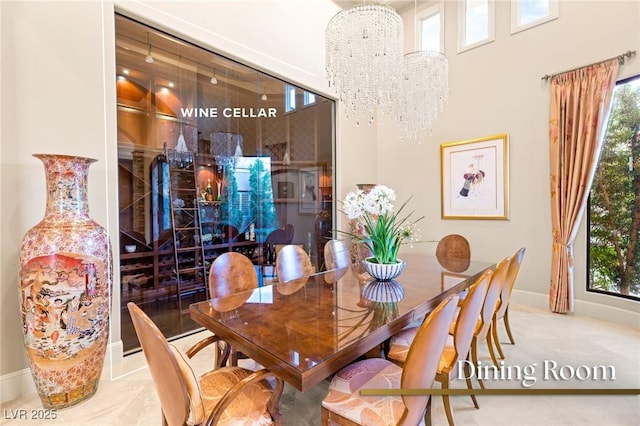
614	203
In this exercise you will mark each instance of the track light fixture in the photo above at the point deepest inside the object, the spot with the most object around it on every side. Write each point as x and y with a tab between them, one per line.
148	59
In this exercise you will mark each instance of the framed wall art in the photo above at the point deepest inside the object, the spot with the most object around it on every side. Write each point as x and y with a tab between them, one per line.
285	190
475	178
309	190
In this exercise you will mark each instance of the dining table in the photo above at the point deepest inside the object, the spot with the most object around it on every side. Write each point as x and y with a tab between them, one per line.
307	329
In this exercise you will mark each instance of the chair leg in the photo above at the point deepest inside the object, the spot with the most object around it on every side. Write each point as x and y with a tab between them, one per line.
496	340
427	413
506	325
467	374
447	403
490	346
474	358
324	414
233	358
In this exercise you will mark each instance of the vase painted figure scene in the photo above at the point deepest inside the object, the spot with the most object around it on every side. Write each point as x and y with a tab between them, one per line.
65	280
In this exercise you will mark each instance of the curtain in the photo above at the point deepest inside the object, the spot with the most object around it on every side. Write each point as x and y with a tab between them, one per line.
579	109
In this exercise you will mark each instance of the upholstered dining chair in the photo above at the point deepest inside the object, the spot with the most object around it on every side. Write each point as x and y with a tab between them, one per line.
454	254
222	396
290	231
502	312
489	306
457	346
292	263
336	257
345	405
277	236
230	274
453	245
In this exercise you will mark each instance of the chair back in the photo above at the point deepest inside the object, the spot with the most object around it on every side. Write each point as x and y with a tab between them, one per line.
292	263
453	245
289	230
229	233
491	299
231	273
337	260
336	254
168	380
509	282
468	317
419	370
278	236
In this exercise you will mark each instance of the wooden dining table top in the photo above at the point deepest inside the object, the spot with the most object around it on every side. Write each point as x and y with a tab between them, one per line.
308	329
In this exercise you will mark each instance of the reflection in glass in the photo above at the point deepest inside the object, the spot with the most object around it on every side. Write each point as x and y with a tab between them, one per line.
205	113
383	291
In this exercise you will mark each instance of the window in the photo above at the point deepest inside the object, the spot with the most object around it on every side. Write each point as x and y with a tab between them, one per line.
614	203
475	23
529	13
309	98
289	98
430	29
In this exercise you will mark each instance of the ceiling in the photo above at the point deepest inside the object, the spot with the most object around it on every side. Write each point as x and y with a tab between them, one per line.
396	4
177	59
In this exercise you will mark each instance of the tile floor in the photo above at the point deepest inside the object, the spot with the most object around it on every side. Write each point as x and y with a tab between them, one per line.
568	340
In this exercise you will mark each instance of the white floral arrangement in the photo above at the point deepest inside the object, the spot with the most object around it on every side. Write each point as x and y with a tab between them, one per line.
383	229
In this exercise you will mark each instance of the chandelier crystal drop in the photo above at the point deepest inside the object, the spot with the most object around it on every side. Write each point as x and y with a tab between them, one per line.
424	88
363	53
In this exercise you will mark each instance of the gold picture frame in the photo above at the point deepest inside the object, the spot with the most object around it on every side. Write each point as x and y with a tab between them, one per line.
475	178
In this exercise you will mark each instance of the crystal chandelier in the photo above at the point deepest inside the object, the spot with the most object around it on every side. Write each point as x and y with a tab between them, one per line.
424	88
222	145
363	52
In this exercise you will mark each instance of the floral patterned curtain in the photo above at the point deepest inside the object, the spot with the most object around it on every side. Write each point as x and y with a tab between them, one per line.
580	103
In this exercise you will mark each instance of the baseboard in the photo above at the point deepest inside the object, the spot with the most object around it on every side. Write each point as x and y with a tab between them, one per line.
599	311
113	361
18	383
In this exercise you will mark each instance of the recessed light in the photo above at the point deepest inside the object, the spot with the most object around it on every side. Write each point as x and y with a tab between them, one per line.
171	84
125	71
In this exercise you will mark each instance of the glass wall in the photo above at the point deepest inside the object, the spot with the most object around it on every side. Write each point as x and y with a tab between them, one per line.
214	156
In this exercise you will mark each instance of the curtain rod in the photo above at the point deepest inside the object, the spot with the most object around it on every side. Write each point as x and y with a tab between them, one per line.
621	58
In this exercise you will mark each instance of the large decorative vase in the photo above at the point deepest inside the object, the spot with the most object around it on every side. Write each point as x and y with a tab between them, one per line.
65	284
383	271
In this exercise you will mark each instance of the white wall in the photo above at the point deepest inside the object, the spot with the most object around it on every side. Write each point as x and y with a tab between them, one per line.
497	88
53	101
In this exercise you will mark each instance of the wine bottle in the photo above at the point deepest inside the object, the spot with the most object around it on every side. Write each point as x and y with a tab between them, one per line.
209	190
